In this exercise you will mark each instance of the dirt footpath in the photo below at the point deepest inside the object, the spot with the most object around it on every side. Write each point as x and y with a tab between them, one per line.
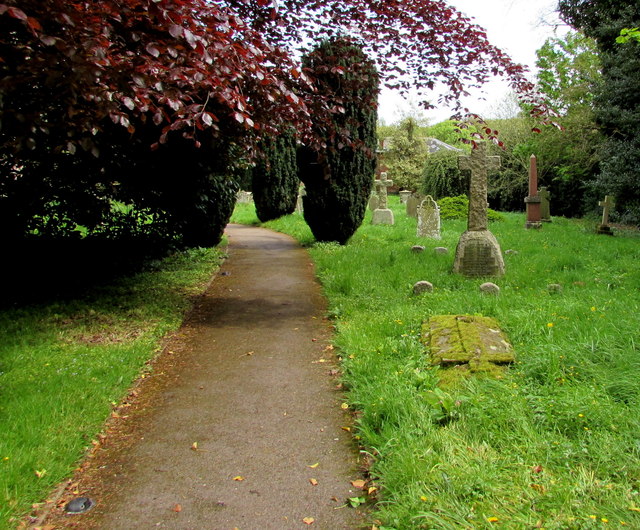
239	424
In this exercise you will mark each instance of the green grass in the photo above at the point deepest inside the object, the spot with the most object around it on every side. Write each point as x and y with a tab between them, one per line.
64	364
555	442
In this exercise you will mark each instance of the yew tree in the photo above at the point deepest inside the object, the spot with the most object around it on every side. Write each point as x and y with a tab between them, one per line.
222	74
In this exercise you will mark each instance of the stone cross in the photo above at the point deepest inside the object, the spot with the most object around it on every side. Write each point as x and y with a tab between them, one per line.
383	184
545	210
479	164
606	205
478	252
533	200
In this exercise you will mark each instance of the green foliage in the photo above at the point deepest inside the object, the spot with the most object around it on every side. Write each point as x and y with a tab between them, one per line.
617	101
627	34
338	182
441	176
275	179
449	132
406	155
458	208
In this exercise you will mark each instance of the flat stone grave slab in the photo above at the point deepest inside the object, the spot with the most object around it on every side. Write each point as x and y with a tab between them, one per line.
463	339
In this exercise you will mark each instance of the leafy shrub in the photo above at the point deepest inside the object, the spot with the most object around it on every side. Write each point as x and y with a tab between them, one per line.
458	208
441	176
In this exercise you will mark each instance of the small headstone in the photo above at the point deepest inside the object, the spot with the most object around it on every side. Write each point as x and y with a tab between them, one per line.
244	197
455	340
490	288
382	215
417	249
533	199
441	250
422	287
299	204
511	252
478	252
428	219
413	202
554	288
374	202
607	205
404	196
545	208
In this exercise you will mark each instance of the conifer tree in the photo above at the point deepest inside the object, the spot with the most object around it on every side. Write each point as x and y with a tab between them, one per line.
338	179
275	179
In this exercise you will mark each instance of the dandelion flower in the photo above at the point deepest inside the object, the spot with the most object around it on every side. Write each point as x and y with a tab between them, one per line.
549	324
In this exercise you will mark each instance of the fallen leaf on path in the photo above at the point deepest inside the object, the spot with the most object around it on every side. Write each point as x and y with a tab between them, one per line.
344	406
371	490
177	508
194	446
348	429
313	481
313	466
238	478
308	520
314	340
248	354
360	484
329	348
319	361
334	371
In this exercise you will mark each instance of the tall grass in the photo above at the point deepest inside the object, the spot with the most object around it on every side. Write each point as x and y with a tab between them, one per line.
555	442
64	364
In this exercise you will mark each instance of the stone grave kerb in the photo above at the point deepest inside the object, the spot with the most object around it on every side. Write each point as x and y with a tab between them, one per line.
478	252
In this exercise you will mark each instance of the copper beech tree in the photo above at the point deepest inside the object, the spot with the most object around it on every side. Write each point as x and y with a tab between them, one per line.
220	74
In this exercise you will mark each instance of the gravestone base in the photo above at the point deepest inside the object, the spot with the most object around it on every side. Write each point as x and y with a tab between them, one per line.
382	217
536	225
478	254
604	229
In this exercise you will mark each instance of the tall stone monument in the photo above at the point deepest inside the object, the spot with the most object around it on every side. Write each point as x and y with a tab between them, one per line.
545	208
533	199
478	252
382	215
607	205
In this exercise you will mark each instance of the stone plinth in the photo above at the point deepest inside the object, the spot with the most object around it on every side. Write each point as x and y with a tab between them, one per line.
478	254
404	196
382	217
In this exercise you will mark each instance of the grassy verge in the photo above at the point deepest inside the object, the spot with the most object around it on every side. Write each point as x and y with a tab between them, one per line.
64	364
555	443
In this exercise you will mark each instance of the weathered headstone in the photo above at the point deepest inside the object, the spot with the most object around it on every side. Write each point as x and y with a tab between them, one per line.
404	196
413	202
382	215
533	199
422	287
607	205
489	288
545	208
299	204
374	202
244	197
475	341
428	219
478	252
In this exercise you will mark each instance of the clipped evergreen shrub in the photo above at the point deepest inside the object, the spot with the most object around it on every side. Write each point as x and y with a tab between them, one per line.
275	179
441	176
338	178
458	208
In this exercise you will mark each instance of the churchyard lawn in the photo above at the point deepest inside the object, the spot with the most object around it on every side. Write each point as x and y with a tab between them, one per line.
553	442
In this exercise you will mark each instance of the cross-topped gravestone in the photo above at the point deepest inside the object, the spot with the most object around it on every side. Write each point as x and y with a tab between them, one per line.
428	219
607	205
533	199
545	209
382	215
479	164
478	252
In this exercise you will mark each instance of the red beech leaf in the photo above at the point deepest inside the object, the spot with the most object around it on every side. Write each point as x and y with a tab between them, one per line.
17	13
152	50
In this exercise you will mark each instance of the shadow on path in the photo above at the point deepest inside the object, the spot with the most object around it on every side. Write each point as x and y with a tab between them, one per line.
228	428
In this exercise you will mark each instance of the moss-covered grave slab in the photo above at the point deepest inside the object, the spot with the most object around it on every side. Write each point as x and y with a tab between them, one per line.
463	339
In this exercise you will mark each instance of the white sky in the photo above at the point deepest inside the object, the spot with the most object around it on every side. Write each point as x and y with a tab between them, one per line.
518	27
